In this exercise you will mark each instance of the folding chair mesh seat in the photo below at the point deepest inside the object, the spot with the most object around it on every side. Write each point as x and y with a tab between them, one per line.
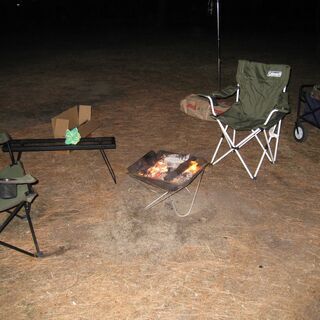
261	102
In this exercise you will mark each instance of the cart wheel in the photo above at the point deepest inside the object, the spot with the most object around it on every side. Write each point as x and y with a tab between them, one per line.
300	133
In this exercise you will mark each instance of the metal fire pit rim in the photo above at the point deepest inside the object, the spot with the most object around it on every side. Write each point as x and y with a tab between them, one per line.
165	185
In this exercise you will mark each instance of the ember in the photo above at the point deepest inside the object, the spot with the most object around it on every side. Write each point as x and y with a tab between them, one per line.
158	171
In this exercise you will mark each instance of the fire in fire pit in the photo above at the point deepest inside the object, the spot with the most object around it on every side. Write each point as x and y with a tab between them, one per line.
167	170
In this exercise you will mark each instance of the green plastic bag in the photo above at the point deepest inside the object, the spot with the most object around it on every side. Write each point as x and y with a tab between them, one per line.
72	136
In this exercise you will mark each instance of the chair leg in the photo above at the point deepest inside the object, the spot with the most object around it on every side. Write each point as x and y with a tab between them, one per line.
8	220
229	142
216	151
35	241
233	147
267	150
11	216
244	164
274	133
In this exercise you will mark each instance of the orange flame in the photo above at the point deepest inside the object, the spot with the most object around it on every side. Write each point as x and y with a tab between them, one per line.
193	168
160	169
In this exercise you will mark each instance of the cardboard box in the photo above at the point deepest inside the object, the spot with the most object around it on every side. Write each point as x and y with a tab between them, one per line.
77	116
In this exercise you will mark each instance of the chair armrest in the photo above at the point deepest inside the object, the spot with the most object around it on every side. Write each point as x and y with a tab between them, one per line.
282	104
282	107
225	92
212	102
26	179
222	94
273	115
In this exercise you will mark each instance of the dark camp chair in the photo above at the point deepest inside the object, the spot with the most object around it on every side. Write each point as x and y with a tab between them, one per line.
261	103
16	193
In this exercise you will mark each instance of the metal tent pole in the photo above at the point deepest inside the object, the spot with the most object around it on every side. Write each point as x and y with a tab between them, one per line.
218	44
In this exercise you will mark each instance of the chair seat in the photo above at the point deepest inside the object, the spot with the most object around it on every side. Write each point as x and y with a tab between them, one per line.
239	120
15	171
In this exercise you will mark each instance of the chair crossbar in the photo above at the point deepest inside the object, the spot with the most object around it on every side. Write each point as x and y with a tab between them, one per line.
235	147
14	213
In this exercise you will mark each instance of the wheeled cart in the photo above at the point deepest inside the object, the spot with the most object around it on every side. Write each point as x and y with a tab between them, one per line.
308	111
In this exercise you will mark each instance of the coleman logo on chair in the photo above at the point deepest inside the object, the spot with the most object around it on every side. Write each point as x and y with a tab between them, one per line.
274	74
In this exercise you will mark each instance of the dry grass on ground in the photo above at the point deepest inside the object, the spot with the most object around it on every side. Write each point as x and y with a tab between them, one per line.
249	250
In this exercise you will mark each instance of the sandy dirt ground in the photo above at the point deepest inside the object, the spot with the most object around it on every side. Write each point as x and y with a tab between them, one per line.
249	249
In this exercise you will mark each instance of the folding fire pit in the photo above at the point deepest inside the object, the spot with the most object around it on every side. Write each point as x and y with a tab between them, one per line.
168	171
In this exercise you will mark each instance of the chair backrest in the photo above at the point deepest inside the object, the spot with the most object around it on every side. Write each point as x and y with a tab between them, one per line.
261	86
4	137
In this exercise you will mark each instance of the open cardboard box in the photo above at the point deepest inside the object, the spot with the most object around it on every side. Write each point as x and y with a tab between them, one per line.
76	116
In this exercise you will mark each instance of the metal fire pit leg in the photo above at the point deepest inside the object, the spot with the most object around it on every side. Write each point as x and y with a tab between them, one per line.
192	202
169	194
158	200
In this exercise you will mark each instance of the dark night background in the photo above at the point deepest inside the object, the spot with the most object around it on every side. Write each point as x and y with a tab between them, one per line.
39	16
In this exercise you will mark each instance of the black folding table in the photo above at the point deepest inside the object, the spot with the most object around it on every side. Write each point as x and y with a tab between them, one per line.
58	144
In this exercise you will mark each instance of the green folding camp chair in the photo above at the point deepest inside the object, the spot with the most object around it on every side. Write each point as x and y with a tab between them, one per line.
261	103
16	193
